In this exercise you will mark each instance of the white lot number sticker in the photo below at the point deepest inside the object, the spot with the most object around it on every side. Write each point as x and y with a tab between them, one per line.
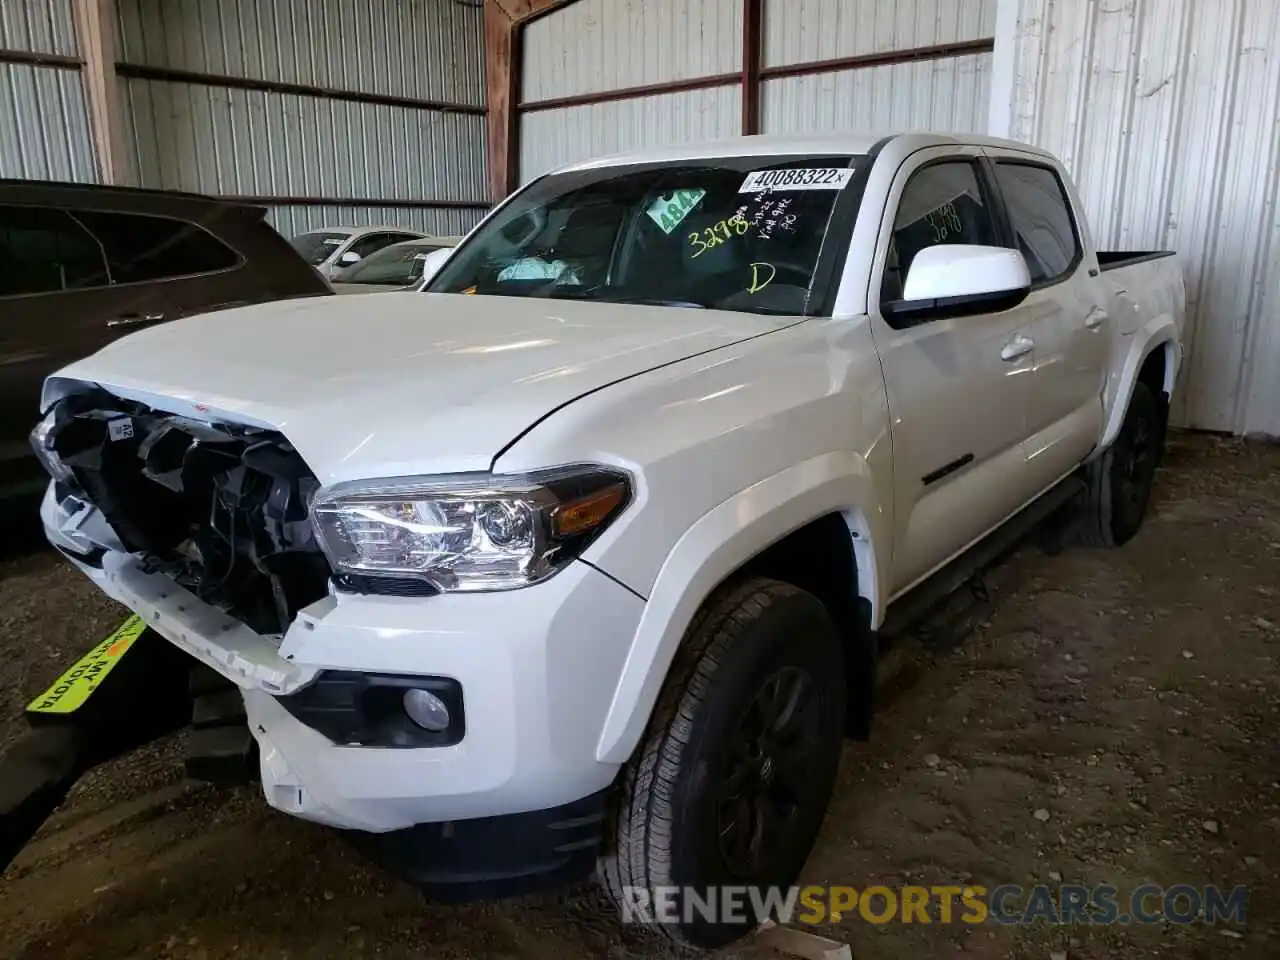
120	429
803	178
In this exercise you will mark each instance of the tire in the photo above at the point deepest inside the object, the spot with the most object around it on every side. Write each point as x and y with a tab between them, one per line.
1120	480
712	775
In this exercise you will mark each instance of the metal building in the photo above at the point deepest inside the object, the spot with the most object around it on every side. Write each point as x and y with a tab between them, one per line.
44	119
328	113
607	75
1164	110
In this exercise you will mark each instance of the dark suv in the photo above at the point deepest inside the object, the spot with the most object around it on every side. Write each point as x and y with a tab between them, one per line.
81	265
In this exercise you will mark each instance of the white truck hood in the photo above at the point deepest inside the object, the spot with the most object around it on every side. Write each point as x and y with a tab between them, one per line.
398	384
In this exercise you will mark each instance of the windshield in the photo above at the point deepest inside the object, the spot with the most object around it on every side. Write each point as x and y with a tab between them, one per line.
738	233
316	248
395	266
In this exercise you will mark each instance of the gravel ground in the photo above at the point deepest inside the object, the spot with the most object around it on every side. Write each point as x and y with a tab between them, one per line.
1110	718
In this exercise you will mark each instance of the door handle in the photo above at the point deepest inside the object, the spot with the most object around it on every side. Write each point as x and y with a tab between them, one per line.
1019	346
1095	318
135	319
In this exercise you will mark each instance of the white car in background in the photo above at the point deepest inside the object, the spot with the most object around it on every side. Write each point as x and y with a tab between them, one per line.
401	266
331	249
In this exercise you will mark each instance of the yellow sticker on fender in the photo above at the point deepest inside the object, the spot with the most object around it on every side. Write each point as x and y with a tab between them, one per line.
73	688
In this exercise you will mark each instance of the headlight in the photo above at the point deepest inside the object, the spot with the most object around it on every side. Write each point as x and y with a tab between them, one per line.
41	442
467	532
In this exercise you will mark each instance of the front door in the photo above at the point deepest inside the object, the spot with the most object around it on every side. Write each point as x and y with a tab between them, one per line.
957	386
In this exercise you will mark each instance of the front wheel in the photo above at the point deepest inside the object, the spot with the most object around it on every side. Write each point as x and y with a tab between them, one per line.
728	789
1120	480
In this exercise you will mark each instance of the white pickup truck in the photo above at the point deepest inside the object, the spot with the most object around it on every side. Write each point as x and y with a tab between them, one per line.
577	561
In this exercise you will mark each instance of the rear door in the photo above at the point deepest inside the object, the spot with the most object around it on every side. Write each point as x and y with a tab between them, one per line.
1070	324
957	385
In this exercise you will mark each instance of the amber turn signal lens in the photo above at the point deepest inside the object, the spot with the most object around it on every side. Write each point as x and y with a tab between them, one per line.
579	516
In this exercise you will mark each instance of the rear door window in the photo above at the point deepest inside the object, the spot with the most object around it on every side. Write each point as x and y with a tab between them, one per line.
43	250
1040	215
140	248
373	242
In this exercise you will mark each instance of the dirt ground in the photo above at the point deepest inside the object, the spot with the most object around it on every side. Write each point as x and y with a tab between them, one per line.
1111	719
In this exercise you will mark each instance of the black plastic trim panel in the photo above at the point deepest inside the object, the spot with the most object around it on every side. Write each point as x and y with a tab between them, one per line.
367	709
490	857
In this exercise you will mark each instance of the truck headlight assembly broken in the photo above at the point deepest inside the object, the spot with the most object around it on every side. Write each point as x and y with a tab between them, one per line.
464	532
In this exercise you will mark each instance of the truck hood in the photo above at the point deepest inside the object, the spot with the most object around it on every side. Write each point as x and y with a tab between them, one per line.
398	384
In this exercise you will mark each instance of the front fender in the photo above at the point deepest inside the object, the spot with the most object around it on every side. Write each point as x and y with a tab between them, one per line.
1160	333
716	545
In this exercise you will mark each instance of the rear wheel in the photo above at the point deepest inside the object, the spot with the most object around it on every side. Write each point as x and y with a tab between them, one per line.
732	780
1120	480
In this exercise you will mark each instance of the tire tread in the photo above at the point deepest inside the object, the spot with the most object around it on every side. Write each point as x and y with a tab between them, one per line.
641	856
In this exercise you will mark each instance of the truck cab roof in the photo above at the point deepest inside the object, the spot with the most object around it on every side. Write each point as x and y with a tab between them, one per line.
769	145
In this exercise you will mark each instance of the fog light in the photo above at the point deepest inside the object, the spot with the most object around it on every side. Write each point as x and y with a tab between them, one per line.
426	710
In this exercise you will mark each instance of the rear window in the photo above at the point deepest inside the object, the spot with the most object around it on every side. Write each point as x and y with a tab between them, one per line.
1040	215
396	266
316	248
139	248
731	233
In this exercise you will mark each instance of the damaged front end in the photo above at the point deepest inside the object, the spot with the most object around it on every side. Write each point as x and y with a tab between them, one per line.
221	509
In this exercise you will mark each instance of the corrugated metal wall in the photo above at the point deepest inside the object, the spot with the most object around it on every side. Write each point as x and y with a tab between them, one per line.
292	220
1166	113
43	26
946	94
551	138
429	49
247	142
594	46
797	31
597	46
44	123
264	143
951	93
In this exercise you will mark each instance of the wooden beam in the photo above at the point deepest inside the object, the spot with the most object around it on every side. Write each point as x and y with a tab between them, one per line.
32	58
752	42
502	86
141	71
95	28
522	11
631	93
503	21
940	51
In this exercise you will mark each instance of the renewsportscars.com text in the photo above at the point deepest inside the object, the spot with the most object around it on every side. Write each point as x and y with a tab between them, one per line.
1007	904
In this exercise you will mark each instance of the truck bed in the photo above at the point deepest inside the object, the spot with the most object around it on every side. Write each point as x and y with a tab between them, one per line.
1114	259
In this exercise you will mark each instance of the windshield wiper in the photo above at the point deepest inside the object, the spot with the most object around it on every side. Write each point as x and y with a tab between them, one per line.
594	293
664	302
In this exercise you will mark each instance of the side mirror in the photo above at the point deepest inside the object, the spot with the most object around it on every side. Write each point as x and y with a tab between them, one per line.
431	265
348	258
953	279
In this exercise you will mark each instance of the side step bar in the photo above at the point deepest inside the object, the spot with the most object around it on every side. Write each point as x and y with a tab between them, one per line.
913	606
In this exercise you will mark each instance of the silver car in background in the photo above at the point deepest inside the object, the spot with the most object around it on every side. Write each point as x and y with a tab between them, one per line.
332	249
401	266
